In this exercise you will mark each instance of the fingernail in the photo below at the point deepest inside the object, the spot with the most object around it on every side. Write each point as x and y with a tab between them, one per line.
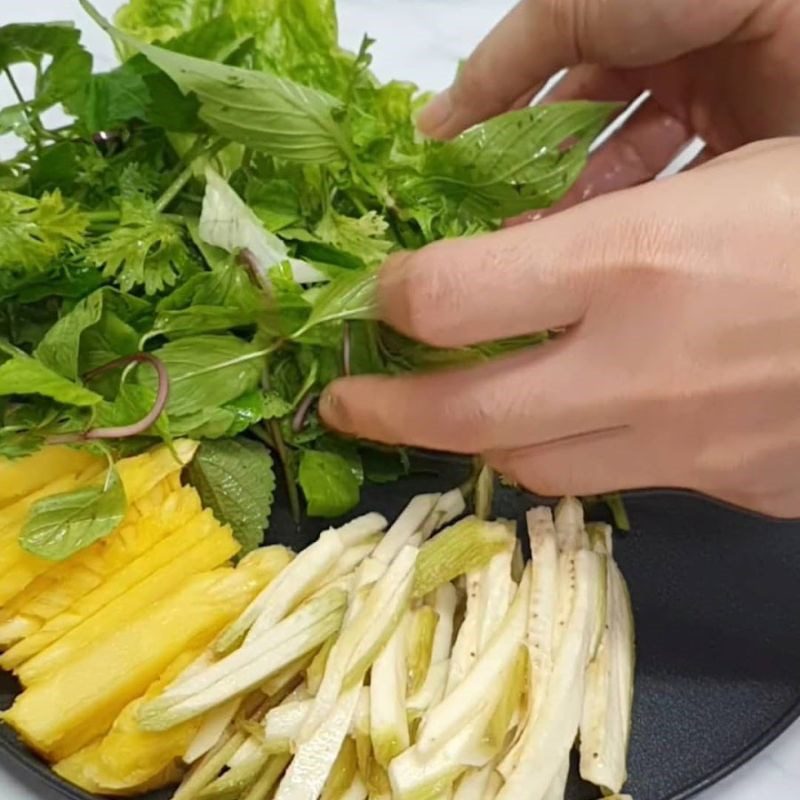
436	114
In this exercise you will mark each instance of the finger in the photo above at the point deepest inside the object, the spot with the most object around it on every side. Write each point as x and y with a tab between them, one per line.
516	58
637	153
527	398
539	37
514	282
592	82
597	464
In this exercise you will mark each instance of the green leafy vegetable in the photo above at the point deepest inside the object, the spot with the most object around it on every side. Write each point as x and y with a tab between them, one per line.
236	479
63	524
23	375
33	232
220	206
329	485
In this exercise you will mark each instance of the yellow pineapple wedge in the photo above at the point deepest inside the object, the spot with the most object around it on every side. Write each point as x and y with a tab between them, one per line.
139	475
200	545
25	476
163	510
79	703
129	760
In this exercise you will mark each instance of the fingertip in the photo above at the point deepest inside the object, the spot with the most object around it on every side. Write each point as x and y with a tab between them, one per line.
433	119
360	407
333	407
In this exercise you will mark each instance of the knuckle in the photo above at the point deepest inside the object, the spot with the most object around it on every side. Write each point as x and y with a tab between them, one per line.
418	302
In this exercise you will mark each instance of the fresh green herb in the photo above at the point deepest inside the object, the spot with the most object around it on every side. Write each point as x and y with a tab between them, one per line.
220	206
236	479
63	524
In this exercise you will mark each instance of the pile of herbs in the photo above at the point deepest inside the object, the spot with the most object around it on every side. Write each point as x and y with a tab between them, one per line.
194	254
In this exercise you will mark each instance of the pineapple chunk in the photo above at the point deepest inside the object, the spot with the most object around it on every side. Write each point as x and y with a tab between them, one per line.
81	770
80	702
66	583
27	475
139	475
129	760
198	546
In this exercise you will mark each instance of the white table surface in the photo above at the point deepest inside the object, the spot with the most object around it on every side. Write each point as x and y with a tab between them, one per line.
422	41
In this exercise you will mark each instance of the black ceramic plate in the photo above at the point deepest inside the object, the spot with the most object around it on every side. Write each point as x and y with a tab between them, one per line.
715	598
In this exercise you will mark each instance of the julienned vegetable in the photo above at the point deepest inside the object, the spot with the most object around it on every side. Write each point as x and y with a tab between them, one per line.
414	660
217	209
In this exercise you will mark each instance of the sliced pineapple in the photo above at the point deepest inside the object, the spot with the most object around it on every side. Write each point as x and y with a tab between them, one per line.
64	584
80	701
139	475
129	760
198	546
27	475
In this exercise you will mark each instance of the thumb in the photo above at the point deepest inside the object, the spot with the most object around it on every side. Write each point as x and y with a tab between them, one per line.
540	37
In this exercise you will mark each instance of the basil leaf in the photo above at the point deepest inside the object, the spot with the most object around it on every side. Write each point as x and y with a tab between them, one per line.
236	479
329	484
59	526
258	110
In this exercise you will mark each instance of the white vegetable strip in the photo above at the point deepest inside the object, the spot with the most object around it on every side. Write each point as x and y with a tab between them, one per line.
357	790
406	525
300	634
449	507
570	525
479	784
541	620
298	579
549	741
388	719
558	787
315	757
606	721
212	730
495	592
364	633
500	654
304	619
465	649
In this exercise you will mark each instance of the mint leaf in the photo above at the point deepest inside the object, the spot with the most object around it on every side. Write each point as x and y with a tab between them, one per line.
206	372
236	480
60	348
21	374
61	525
329	484
348	297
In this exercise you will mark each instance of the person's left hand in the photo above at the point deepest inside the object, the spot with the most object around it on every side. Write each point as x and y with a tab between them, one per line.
680	366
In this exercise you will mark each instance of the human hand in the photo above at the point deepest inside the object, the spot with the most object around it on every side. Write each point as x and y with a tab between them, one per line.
726	71
680	365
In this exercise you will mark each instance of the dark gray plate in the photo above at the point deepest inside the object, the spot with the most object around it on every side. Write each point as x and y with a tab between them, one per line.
715	599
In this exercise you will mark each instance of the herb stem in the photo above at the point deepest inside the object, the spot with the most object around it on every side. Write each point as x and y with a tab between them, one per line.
175	188
33	120
275	432
103	216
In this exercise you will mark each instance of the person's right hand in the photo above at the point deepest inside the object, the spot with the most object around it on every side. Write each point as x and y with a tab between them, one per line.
725	70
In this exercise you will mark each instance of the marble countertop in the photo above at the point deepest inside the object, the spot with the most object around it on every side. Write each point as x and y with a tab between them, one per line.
422	41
